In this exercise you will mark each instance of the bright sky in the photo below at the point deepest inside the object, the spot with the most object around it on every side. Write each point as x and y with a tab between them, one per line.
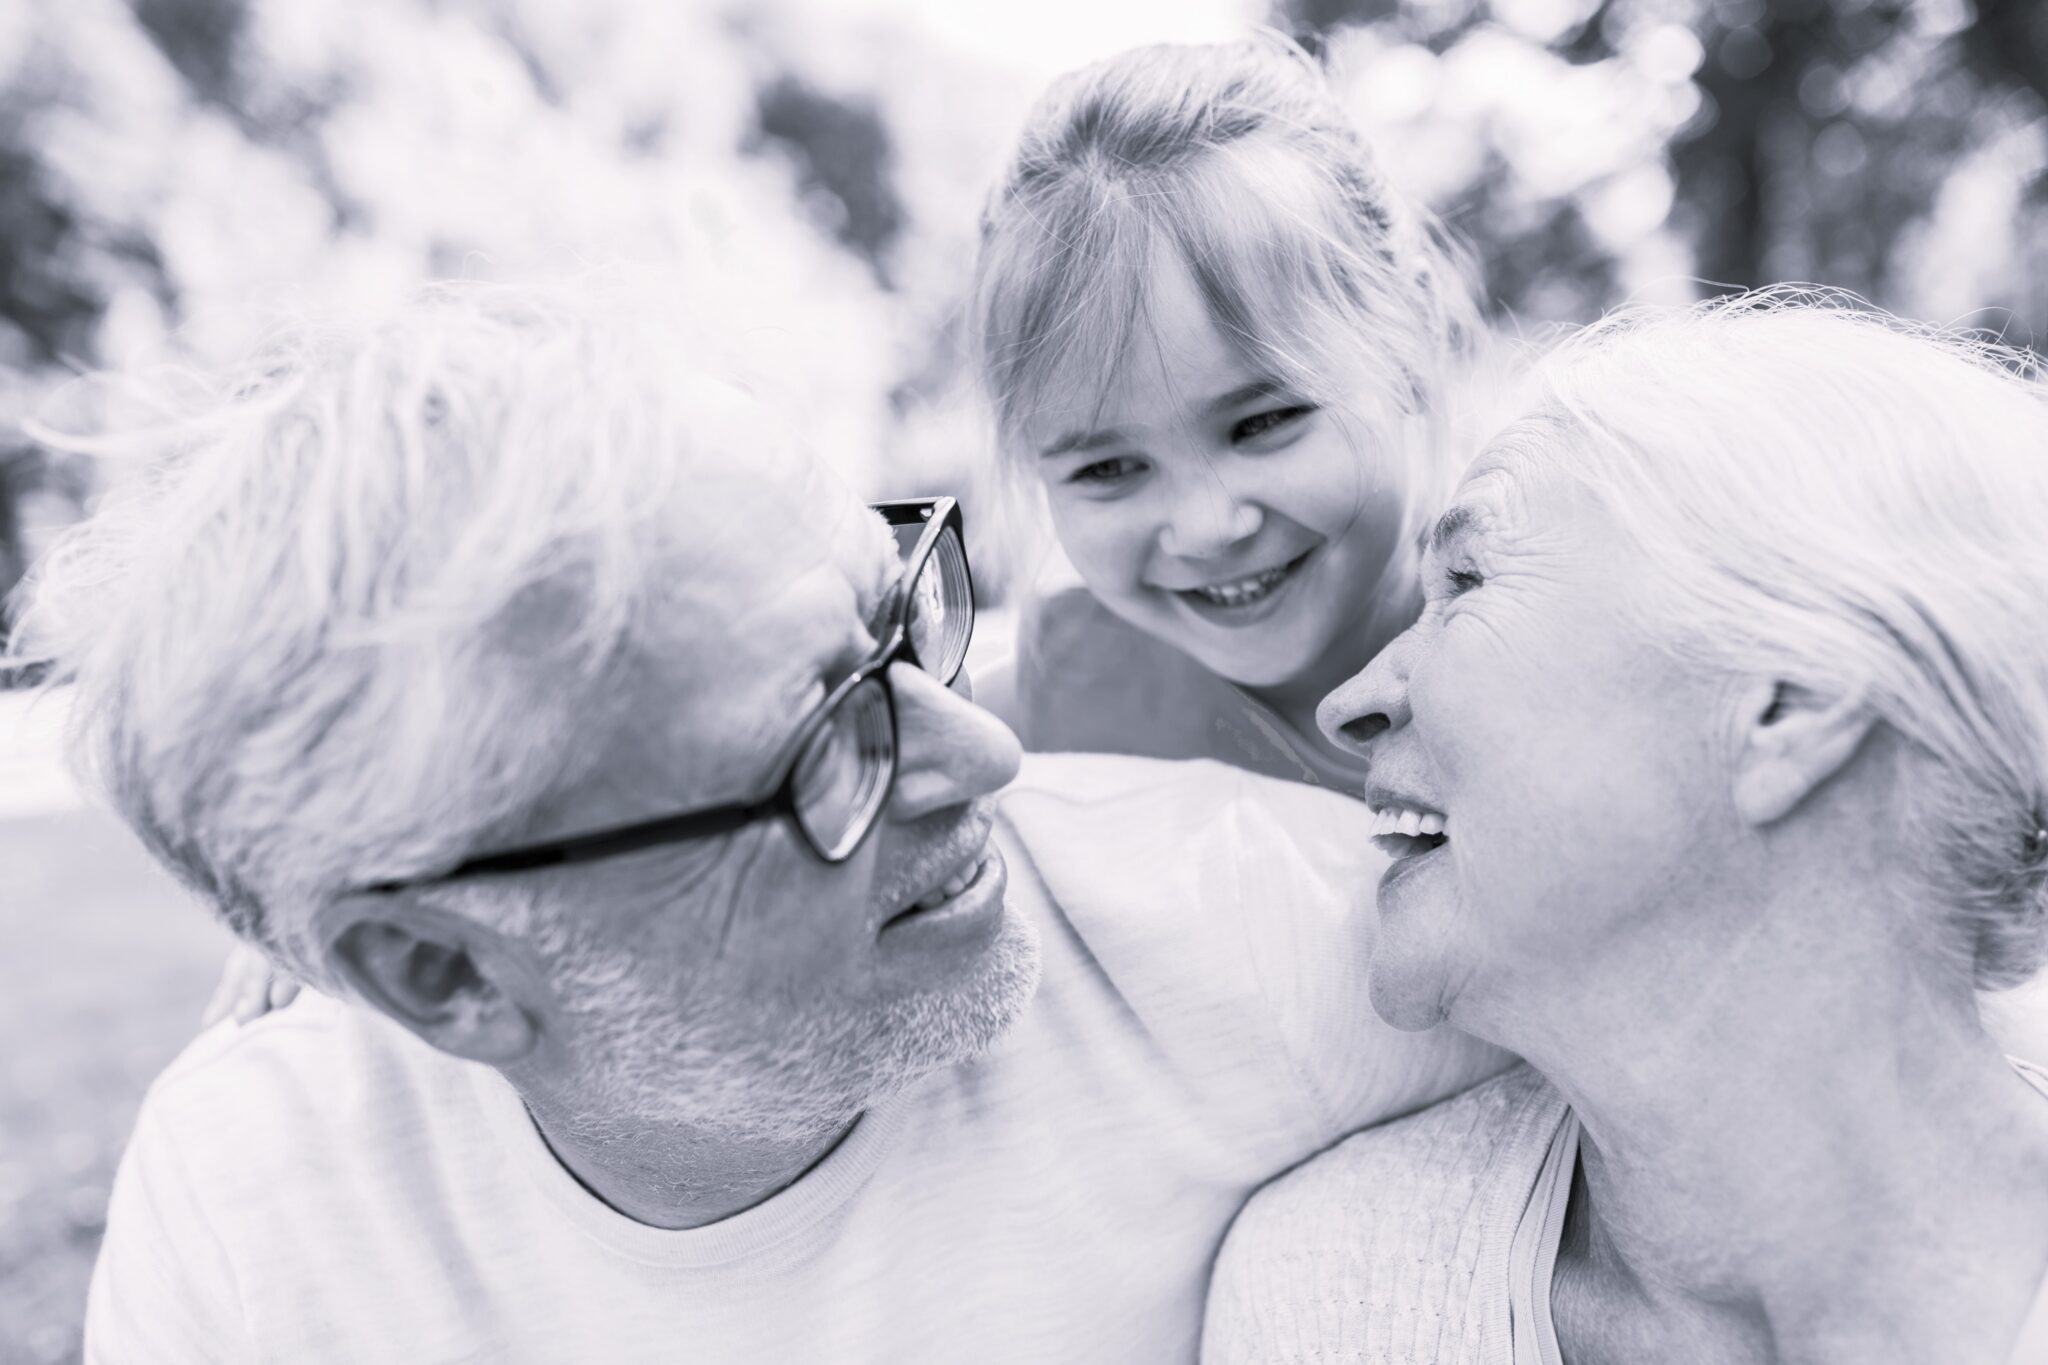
1047	37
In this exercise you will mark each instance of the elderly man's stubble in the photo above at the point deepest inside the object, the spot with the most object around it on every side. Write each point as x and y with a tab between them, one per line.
721	1020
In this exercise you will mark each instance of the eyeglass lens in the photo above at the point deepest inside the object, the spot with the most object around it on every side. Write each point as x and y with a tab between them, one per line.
845	769
843	774
940	612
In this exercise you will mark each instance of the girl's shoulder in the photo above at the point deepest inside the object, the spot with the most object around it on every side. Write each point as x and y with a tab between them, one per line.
1088	682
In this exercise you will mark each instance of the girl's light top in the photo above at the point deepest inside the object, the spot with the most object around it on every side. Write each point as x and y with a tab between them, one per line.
1087	682
1432	1238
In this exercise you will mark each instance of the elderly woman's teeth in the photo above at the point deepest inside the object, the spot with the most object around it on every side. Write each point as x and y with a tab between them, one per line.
1244	590
1413	823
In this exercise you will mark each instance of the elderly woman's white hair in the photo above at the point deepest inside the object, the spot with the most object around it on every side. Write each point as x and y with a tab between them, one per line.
1857	505
288	635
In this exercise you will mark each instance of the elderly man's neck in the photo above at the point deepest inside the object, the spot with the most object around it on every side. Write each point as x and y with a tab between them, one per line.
670	1176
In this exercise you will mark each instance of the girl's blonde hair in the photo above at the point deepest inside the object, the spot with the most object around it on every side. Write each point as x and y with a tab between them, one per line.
1238	158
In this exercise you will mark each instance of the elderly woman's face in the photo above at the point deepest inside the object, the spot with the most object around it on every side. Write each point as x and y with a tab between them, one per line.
1565	759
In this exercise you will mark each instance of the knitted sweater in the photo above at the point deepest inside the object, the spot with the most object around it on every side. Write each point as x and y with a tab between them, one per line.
1394	1247
1391	1248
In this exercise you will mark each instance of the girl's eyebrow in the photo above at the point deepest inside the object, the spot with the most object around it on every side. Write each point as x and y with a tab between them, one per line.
1264	387
1075	441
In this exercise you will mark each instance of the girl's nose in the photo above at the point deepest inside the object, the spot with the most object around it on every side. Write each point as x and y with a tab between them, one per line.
1207	520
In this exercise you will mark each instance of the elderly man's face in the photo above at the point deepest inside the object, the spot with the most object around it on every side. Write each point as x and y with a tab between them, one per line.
1559	762
739	983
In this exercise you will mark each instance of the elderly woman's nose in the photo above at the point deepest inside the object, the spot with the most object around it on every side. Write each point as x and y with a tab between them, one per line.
1371	703
1207	517
948	750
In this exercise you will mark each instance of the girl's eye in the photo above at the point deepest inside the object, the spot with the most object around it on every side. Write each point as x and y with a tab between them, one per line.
1113	470
1273	419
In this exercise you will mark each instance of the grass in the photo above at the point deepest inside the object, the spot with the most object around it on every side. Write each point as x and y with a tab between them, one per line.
104	967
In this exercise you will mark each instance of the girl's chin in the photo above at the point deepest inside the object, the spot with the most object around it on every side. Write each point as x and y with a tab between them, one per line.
1272	655
1256	657
1250	666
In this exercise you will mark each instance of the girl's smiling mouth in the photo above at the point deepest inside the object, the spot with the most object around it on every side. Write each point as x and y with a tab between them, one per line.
1238	601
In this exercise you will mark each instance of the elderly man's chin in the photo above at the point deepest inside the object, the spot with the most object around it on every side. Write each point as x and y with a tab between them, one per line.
916	1033
951	1020
760	1069
967	1015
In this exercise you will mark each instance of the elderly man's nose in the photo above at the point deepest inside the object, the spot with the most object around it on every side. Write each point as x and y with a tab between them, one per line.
1208	519
1371	703
948	750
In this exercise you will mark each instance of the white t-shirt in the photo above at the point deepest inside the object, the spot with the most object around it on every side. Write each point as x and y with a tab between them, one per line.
320	1186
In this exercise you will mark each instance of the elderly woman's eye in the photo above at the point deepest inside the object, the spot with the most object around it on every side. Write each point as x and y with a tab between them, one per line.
1460	581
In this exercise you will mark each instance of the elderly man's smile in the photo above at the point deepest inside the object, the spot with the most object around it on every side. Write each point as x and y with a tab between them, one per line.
951	894
963	911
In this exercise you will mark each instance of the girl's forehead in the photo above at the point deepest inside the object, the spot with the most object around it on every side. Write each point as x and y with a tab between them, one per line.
1172	364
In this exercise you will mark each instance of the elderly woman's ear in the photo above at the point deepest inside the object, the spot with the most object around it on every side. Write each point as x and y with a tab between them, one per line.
1792	740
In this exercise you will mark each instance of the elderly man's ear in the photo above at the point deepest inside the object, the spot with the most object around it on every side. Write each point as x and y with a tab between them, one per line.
460	986
1791	741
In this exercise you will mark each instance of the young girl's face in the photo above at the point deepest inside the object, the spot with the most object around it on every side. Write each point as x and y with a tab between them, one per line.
1209	505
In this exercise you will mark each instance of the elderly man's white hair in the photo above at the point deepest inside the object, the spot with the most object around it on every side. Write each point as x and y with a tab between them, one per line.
288	638
1859	505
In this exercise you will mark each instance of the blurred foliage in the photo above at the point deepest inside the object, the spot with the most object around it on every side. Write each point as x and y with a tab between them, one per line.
1891	147
174	172
842	151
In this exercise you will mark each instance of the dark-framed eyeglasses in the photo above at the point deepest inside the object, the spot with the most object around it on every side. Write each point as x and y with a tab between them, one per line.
833	778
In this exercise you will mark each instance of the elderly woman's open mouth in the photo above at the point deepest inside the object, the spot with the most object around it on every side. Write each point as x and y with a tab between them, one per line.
1405	829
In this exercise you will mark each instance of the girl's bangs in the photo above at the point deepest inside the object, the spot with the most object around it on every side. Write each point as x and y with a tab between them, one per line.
1067	289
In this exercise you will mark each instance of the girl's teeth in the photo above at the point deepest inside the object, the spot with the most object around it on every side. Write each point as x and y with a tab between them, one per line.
1244	590
1411	823
1432	824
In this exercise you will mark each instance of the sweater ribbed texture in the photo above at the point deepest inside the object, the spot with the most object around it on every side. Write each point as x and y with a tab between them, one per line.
1392	1247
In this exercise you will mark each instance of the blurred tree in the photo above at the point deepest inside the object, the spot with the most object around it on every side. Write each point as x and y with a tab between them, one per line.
2010	40
1824	132
49	306
173	170
201	39
842	152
